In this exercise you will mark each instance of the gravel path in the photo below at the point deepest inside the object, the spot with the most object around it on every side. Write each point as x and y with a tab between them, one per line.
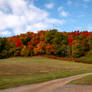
57	85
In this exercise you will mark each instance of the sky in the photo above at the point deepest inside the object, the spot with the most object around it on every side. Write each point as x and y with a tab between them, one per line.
21	16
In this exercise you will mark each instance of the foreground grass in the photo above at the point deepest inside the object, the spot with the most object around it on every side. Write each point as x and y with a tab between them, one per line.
28	70
83	81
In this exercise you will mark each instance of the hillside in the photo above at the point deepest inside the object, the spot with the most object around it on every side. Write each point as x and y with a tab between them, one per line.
62	44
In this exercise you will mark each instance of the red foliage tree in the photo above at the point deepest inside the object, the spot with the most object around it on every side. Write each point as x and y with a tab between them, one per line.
86	33
18	43
70	40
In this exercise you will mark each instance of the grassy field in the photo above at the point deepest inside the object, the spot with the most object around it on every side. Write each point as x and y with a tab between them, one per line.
27	70
86	59
83	81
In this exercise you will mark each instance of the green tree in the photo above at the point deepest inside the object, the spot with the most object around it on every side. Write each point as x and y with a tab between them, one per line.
2	44
3	51
77	49
90	42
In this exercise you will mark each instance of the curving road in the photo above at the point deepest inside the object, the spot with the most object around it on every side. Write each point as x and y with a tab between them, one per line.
57	85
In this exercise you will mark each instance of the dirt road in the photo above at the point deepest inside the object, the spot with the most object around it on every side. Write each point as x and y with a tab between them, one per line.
57	85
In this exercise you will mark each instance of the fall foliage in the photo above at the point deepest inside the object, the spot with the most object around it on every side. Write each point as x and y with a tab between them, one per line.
63	44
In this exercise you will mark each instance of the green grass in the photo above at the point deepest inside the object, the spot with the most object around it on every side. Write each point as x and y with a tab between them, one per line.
83	81
86	59
28	70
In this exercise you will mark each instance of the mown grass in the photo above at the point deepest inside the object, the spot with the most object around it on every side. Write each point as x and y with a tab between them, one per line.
83	81
28	70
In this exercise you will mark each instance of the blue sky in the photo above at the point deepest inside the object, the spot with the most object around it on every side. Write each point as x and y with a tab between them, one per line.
21	16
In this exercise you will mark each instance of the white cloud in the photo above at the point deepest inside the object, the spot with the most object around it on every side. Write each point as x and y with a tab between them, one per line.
5	33
60	8
21	16
49	5
62	12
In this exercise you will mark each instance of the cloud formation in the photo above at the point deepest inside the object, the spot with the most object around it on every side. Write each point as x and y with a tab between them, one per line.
49	5
22	16
62	12
5	33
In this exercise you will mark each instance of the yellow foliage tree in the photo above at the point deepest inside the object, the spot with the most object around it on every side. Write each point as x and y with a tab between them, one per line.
40	48
24	51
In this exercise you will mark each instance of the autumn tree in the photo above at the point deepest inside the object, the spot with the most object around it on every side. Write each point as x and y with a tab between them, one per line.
18	43
63	44
24	51
40	48
30	46
49	49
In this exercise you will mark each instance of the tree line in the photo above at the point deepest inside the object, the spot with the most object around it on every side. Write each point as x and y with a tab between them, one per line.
63	44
